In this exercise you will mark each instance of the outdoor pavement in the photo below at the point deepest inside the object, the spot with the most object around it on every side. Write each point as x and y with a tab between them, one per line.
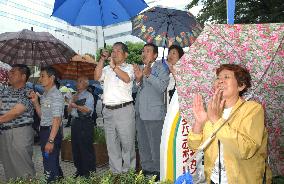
67	167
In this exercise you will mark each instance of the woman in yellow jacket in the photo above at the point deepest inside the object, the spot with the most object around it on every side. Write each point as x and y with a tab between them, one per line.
238	153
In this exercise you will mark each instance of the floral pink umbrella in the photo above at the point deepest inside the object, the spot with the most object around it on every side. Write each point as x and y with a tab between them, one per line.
258	47
4	68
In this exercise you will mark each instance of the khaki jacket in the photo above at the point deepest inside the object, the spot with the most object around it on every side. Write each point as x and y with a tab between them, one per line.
244	138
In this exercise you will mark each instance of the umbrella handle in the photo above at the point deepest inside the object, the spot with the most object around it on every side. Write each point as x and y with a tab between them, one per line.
201	147
166	41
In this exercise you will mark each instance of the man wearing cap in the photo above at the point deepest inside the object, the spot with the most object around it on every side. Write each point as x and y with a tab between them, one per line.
118	111
16	118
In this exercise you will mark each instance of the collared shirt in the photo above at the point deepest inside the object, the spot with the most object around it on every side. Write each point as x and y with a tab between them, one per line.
9	97
115	90
52	105
89	102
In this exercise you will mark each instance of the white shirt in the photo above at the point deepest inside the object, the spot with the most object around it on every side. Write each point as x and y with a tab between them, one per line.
115	90
215	171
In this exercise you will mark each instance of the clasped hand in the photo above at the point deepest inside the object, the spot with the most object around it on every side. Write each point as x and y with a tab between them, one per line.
214	109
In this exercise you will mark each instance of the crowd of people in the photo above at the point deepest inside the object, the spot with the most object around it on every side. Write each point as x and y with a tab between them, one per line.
237	154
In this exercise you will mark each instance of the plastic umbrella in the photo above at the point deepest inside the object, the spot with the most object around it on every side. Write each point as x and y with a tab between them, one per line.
33	48
97	12
258	47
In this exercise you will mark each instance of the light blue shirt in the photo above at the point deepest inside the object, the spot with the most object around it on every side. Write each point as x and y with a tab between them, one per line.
51	105
89	102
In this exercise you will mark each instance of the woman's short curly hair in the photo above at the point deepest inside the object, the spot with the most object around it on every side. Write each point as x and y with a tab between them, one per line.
242	75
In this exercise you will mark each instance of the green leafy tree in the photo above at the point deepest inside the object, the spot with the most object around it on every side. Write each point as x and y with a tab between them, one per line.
246	11
134	49
134	52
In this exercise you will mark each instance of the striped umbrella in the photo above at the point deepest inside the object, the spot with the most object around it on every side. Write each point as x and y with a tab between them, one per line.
77	67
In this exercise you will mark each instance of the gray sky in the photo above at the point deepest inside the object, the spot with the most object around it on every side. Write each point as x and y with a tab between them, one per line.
178	4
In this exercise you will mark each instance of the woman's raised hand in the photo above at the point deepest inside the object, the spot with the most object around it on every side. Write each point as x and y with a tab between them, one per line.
216	106
199	113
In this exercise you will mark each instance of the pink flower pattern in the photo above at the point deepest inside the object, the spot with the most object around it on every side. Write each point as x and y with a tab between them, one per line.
4	68
255	46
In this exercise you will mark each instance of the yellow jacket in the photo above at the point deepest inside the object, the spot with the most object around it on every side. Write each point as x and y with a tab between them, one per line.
244	138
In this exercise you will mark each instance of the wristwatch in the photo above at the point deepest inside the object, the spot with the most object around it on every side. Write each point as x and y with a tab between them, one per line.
51	141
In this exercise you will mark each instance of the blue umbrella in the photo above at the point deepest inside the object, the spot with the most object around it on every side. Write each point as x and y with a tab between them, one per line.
96	89
97	12
36	87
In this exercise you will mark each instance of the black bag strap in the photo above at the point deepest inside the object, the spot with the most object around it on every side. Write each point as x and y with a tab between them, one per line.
219	161
264	174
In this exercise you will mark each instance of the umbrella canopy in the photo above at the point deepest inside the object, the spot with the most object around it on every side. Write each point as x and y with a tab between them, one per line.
36	87
33	48
4	69
97	12
166	26
96	89
258	47
95	86
76	68
65	89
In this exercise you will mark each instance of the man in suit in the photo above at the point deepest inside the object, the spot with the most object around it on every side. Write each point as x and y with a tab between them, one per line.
152	82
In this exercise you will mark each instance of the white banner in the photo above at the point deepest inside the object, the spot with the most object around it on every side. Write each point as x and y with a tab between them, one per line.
174	149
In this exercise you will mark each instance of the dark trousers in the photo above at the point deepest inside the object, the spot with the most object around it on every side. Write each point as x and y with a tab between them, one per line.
82	137
51	165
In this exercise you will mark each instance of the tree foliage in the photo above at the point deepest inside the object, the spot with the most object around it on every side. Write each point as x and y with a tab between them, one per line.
246	11
135	52
134	49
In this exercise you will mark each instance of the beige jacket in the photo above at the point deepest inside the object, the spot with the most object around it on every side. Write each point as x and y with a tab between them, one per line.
244	138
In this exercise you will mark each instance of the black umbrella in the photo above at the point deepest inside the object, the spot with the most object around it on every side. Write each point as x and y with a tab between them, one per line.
33	48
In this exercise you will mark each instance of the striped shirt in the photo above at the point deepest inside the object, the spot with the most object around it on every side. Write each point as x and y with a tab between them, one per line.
51	105
9	97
